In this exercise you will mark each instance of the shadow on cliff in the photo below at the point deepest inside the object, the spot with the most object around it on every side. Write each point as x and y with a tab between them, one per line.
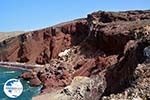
121	75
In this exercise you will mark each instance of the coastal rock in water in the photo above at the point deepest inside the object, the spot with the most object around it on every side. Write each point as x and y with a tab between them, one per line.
27	75
35	82
31	77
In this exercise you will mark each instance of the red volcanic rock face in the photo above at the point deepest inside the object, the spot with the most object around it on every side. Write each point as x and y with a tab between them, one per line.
42	45
105	45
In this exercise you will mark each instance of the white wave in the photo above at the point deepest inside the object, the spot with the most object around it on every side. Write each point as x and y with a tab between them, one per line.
26	90
2	83
4	98
9	72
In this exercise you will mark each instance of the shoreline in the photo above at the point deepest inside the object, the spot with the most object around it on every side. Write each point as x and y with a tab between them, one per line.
28	91
20	66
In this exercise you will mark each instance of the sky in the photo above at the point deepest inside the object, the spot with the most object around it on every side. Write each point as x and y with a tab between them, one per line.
27	15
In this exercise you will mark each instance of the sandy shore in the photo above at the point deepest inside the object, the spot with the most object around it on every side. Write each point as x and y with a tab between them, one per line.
20	66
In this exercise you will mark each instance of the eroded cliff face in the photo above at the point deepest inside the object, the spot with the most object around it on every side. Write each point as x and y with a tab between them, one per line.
42	45
104	49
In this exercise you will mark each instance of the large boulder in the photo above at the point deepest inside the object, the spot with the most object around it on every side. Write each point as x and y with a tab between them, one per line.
81	88
35	81
27	75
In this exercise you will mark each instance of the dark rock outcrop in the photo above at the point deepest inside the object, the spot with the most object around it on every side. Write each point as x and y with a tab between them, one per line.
35	81
27	75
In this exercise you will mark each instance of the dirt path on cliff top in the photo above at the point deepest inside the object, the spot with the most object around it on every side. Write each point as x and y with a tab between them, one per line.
6	35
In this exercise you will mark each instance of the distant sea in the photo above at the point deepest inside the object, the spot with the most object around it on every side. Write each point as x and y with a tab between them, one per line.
28	91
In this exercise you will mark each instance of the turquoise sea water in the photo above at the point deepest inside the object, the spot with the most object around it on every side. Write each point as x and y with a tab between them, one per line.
28	92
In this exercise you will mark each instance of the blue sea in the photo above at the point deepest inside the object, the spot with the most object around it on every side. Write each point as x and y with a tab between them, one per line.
28	91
